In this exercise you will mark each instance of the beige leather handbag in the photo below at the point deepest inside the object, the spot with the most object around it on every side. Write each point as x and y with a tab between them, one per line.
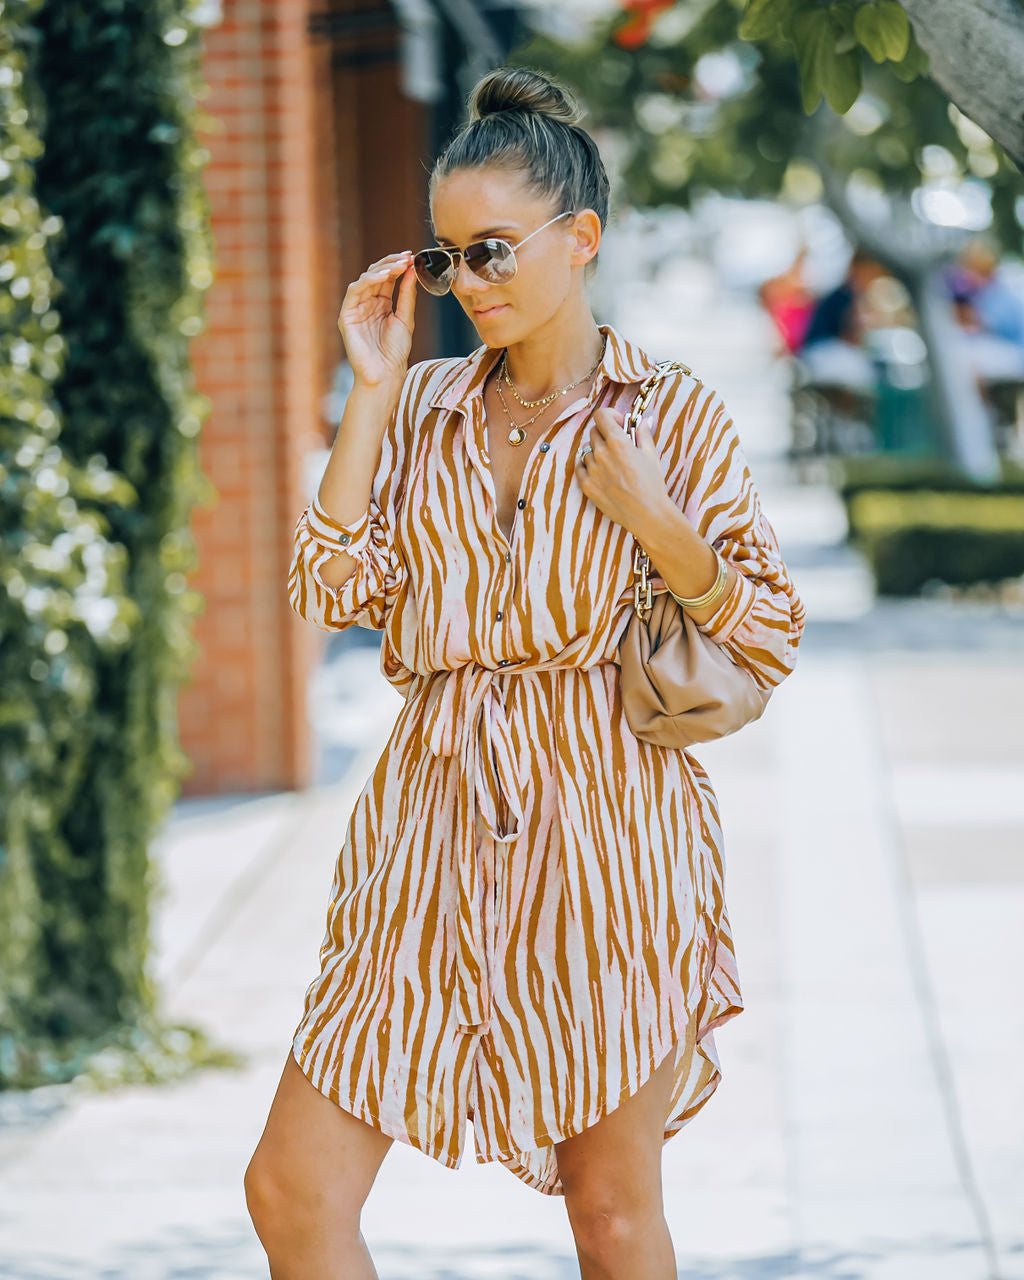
678	686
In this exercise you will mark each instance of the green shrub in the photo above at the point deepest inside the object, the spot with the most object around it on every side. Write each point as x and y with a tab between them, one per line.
916	536
101	208
884	471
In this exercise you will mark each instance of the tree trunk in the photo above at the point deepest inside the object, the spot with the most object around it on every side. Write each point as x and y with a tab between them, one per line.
915	255
976	50
958	404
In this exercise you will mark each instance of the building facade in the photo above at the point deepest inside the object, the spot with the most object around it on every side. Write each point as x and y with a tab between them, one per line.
326	120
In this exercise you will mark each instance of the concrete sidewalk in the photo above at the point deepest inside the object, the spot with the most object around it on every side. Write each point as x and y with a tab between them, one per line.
870	1122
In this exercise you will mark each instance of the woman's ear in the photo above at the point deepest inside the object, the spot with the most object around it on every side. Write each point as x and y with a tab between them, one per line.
586	230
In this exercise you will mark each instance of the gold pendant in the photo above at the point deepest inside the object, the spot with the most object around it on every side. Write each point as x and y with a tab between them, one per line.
516	436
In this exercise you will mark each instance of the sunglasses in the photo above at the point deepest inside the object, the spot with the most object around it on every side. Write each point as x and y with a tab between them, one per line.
493	261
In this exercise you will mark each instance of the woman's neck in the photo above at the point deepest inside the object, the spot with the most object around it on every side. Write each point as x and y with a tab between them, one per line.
553	356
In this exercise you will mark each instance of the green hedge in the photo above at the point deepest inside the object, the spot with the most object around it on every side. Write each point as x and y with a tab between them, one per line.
881	471
916	536
105	240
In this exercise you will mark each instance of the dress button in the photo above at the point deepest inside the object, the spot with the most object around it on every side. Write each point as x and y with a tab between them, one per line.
522	502
503	662
545	446
508	556
498	616
345	539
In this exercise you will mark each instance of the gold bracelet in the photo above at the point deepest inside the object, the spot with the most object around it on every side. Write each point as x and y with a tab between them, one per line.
712	594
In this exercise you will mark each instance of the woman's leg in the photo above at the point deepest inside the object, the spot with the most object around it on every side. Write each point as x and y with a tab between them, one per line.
306	1183
612	1178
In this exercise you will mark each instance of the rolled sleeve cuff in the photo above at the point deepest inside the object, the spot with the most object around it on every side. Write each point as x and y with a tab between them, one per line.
335	536
733	609
331	536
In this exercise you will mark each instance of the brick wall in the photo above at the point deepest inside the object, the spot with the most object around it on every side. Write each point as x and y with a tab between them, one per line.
262	360
317	168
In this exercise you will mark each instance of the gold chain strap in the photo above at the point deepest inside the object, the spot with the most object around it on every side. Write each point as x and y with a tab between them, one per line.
643	598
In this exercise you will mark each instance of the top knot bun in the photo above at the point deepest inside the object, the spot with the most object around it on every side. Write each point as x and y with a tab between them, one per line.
523	89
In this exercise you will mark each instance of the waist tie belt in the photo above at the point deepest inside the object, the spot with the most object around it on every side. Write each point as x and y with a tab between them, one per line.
468	720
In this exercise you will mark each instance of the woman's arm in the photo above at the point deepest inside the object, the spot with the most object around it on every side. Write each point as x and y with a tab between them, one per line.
343	570
345	488
760	618
684	559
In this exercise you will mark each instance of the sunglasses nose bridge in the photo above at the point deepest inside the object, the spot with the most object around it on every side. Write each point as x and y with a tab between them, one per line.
474	277
460	263
457	260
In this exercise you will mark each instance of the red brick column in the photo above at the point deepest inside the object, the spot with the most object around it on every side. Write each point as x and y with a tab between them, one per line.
264	361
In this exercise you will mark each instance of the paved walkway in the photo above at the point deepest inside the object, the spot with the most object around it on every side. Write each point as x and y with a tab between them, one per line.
870	1120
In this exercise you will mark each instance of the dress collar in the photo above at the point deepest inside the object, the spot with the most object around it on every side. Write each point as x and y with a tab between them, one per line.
624	362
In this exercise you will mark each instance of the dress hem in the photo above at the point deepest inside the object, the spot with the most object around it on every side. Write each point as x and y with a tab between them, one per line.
363	1111
674	1123
553	1186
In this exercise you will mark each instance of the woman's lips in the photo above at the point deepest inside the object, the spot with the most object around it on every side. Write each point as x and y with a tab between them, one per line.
491	311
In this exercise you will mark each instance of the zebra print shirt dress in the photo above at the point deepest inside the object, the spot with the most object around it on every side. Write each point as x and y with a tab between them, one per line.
527	914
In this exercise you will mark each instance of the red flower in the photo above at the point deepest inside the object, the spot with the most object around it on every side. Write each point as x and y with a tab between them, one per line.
636	30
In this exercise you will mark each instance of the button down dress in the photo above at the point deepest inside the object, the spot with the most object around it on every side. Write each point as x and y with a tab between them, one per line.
527	915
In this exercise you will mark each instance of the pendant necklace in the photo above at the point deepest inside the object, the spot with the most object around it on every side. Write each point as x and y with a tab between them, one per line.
518	434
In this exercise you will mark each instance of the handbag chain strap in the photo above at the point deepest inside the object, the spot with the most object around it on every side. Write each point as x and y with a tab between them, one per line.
643	598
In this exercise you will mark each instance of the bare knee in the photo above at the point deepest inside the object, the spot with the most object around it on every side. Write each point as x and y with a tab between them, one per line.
308	1178
610	1226
262	1192
284	1207
268	1197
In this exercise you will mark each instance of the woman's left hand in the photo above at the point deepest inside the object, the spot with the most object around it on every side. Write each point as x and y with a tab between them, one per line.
622	478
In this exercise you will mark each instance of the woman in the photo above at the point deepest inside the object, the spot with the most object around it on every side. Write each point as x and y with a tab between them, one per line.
527	925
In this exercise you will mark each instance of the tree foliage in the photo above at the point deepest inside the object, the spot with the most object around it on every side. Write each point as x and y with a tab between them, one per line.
828	40
753	97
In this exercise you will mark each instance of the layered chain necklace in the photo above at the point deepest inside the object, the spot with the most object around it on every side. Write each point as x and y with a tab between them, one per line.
518	433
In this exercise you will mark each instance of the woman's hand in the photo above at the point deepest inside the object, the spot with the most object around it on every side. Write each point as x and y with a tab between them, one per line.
377	338
622	478
626	481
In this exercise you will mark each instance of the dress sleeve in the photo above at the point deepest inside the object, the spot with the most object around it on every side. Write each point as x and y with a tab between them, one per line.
365	597
760	621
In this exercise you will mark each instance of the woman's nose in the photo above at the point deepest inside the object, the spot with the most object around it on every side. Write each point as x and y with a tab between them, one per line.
467	281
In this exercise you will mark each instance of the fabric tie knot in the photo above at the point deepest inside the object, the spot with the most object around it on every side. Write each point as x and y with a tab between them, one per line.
467	720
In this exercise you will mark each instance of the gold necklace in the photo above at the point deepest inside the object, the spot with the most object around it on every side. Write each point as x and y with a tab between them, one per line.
517	435
532	404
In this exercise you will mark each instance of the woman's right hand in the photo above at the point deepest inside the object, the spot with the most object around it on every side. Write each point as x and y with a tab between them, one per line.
377	338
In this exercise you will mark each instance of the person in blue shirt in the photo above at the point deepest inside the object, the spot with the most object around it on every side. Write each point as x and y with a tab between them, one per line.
831	352
990	311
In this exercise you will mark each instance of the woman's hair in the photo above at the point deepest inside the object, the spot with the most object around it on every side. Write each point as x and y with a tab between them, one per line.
526	121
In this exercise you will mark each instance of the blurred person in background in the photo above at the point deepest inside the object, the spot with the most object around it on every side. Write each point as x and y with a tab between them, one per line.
790	303
832	350
990	312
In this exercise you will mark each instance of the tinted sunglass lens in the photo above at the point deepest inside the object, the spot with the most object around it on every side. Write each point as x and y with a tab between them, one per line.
491	260
434	271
